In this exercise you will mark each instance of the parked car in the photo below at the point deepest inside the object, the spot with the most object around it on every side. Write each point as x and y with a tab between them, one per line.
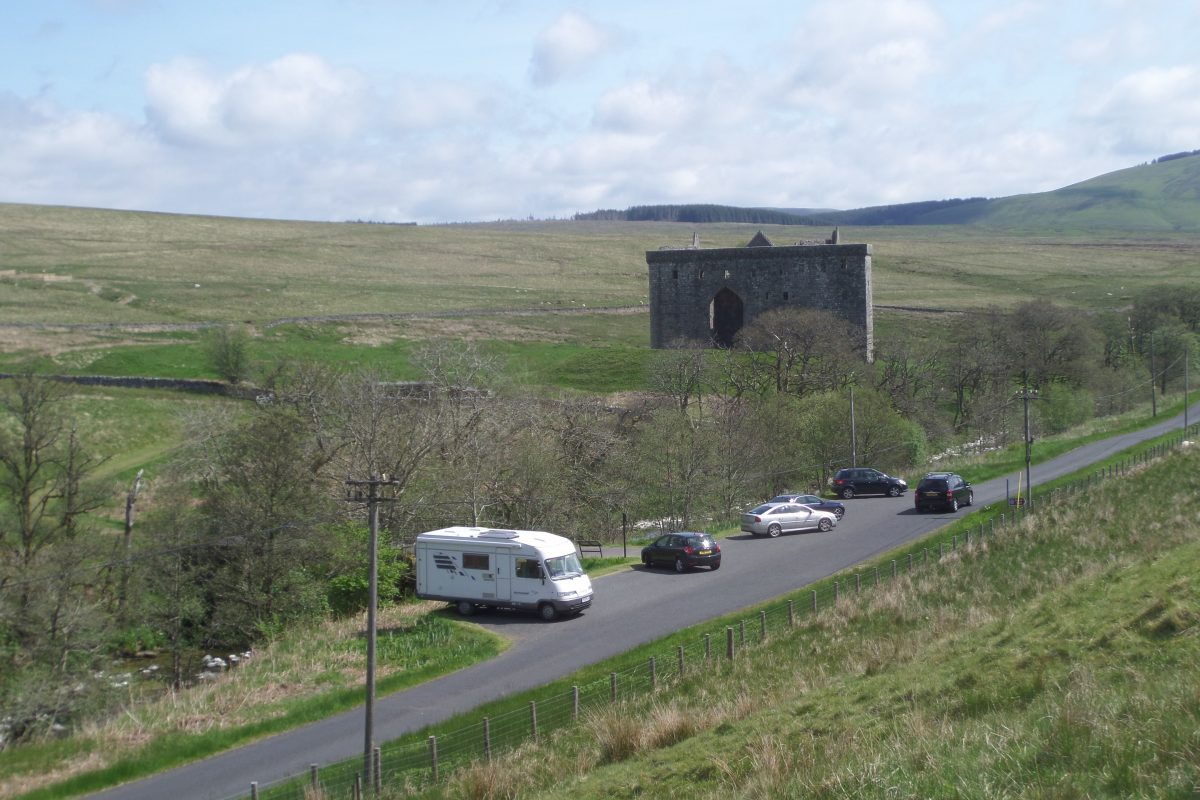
864	480
812	501
944	490
772	519
683	551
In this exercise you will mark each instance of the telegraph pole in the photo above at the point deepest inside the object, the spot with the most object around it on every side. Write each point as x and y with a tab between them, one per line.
354	493
1026	393
1187	356
1153	379
853	432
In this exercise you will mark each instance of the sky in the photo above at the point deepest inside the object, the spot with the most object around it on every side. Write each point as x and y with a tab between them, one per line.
477	110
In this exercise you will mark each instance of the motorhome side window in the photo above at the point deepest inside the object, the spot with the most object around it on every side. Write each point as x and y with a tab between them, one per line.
528	568
476	561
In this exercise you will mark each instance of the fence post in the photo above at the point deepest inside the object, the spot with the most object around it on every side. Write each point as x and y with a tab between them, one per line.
378	776
924	556
533	719
314	781
653	674
680	650
487	739
762	626
729	643
433	758
857	582
893	569
791	613
357	793
836	592
708	647
574	702
954	541
877	576
742	633
910	562
612	686
814	600
253	790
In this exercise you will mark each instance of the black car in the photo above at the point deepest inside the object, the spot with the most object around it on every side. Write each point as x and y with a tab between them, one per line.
683	551
864	480
812	501
943	490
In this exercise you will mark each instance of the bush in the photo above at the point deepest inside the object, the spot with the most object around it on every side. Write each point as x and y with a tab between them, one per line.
228	352
1061	407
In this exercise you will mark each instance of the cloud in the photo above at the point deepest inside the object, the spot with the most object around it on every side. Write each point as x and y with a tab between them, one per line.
1151	110
293	98
566	47
641	108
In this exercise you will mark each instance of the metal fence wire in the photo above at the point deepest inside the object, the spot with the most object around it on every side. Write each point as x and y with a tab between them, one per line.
411	762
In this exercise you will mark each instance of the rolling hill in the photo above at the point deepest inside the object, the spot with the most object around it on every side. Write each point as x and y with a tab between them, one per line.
1159	196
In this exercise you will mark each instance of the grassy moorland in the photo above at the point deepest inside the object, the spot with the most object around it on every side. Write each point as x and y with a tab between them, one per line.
1055	659
89	265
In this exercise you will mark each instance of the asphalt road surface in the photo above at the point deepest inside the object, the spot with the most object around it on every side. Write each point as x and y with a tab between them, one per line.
631	606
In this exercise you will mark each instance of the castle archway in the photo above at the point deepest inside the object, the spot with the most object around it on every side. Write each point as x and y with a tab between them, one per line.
724	317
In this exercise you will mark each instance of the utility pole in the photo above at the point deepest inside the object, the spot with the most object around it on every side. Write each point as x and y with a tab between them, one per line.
1026	393
130	499
853	432
1187	356
354	493
1153	379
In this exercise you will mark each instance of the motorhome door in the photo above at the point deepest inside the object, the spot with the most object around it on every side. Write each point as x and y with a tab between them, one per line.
503	570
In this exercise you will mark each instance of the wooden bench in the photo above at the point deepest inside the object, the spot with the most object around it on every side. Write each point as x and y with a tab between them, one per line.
590	546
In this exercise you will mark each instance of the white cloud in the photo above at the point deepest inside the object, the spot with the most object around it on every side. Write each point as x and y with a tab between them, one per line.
568	45
296	97
1150	110
641	108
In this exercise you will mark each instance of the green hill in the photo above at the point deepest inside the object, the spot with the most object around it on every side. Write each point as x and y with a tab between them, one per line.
1160	196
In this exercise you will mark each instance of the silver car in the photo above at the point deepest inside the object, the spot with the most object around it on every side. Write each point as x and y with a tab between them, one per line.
772	519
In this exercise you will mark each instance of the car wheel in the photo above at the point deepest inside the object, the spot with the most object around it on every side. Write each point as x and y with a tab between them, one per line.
954	505
825	525
774	530
716	566
466	608
679	565
893	491
847	493
646	560
547	612
839	512
970	499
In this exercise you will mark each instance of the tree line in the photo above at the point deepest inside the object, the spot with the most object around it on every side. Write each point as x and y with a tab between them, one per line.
249	529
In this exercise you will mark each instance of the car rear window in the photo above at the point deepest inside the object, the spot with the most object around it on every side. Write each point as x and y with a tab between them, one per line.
702	541
761	509
934	484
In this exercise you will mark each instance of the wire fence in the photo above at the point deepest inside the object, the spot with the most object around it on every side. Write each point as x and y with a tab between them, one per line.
411	763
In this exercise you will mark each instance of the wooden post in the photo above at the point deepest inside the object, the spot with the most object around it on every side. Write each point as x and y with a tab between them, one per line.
814	601
253	790
857	582
378	777
791	613
708	647
533	730
893	569
574	702
877	576
487	739
433	758
762	626
653	674
356	793
910	562
679	650
314	780
729	643
742	633
612	687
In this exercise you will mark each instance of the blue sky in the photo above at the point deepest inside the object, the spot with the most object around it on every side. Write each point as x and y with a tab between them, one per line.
498	109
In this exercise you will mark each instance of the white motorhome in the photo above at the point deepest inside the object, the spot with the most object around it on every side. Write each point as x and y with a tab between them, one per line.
491	568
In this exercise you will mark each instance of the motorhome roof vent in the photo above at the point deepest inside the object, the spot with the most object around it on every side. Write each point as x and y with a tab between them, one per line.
494	533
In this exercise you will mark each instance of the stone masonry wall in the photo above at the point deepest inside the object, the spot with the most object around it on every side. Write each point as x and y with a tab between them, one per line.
835	277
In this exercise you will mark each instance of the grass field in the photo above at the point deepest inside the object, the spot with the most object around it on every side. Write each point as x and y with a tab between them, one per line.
87	265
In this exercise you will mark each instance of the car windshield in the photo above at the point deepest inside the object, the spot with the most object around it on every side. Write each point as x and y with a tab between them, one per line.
783	498
567	566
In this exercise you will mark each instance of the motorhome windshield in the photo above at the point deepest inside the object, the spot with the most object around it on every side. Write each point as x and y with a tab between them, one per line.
567	566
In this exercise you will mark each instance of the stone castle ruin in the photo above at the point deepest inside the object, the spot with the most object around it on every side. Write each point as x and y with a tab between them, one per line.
706	296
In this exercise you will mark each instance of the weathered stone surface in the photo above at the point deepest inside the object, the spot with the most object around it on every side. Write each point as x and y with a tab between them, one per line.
687	300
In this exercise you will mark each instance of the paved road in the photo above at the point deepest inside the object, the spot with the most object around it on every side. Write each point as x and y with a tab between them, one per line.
631	607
